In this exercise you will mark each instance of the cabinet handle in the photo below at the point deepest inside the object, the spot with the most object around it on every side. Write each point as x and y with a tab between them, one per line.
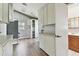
42	31
58	36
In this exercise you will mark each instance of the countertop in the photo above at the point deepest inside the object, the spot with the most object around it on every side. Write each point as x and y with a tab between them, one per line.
75	34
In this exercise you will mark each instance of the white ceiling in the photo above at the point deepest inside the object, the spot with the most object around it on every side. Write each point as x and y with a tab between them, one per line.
35	6
31	8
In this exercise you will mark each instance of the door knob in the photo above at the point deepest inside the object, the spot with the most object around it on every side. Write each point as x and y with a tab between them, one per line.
58	36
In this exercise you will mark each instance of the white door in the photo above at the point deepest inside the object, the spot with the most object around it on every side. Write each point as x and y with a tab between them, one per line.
61	29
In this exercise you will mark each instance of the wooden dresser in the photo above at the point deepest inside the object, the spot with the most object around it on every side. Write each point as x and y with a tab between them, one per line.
73	42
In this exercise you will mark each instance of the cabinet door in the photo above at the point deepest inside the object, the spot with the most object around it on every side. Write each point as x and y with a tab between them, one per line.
42	42
45	15
40	17
0	11
50	44
10	12
8	49
5	15
51	14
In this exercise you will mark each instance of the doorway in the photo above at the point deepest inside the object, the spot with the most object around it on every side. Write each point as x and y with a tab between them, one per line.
34	28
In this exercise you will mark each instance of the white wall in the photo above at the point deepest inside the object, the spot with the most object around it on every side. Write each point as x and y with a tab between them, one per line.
73	10
24	33
20	17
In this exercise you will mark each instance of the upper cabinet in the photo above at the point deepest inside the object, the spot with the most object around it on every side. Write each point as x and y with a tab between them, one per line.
0	11
41	15
5	12
10	12
47	14
5	15
51	14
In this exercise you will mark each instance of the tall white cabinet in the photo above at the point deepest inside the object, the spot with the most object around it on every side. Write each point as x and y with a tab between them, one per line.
45	15
53	29
0	11
5	12
51	13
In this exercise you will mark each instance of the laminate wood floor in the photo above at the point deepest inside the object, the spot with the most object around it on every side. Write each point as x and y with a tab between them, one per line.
28	47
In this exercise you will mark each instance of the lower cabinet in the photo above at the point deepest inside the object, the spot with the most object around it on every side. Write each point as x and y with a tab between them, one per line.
42	42
47	44
6	50
73	42
1	50
50	44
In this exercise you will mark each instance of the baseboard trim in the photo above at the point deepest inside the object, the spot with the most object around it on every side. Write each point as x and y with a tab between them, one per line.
44	52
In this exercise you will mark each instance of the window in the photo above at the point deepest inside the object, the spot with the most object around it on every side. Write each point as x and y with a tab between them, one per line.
73	22
21	25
